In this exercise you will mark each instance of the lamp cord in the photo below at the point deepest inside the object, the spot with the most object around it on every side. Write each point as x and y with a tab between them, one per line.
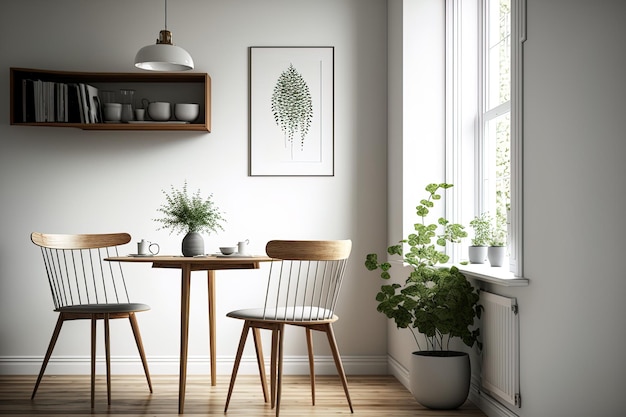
165	14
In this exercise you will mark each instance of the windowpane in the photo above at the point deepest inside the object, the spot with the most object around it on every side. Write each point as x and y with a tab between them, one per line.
497	117
497	170
499	53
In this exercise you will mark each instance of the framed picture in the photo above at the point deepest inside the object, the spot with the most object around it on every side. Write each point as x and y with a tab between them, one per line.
292	111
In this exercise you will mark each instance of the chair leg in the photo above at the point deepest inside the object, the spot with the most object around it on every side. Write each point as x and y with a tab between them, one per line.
53	341
273	364
309	343
259	358
107	351
281	331
133	324
333	346
93	359
233	377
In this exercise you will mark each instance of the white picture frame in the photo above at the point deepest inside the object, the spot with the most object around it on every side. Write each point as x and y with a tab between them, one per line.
291	111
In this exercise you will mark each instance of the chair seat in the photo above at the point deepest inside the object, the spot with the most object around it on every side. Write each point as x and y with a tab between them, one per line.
105	308
293	314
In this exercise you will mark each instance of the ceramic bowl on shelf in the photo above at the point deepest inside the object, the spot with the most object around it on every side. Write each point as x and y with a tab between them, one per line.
187	112
112	112
159	111
228	250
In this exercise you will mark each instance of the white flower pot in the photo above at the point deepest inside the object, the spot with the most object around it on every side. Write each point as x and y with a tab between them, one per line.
440	379
496	255
477	254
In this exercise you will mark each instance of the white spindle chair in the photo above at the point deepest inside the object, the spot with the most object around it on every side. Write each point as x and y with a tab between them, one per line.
303	289
85	287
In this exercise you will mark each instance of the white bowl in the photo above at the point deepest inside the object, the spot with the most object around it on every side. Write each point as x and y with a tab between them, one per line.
228	250
187	112
159	111
112	112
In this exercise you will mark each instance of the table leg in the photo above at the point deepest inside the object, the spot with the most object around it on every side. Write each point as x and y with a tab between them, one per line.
212	332
184	334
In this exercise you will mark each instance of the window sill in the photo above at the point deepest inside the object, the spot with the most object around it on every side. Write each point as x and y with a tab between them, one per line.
493	275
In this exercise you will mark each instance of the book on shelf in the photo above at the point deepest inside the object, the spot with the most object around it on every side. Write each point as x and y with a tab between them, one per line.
73	104
54	102
28	102
93	104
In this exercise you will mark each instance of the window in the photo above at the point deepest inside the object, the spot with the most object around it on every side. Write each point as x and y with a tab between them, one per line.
483	113
494	185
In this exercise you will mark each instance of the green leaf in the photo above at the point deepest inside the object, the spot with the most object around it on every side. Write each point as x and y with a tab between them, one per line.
421	211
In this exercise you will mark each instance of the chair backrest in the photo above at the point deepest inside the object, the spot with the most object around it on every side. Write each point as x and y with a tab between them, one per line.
305	281
77	272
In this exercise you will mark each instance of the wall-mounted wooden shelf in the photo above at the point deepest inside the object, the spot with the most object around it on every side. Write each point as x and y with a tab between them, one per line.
168	87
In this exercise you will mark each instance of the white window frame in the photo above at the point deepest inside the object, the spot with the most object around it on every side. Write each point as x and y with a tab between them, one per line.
464	54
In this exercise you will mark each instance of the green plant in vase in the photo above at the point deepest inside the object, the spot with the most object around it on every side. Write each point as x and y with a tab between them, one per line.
497	241
477	252
192	215
434	300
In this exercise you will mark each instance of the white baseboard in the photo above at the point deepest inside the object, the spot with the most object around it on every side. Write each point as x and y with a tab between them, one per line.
169	365
488	404
399	371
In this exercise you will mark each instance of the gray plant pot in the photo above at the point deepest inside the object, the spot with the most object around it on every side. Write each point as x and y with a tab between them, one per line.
477	254
440	379
193	244
496	255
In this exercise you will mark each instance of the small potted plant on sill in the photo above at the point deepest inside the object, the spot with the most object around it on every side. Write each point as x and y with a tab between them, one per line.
190	215
496	252
438	302
477	252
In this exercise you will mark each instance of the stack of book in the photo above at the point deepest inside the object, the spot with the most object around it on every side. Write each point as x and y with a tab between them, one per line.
48	101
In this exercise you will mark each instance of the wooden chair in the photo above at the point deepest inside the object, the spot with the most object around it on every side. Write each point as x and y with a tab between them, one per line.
303	290
85	287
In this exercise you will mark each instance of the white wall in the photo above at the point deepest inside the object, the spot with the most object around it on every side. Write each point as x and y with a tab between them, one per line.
572	313
68	180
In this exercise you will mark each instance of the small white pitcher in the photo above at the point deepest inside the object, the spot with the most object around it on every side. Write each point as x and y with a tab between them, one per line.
242	247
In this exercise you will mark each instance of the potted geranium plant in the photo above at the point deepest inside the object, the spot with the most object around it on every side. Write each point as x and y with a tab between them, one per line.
191	215
436	301
477	252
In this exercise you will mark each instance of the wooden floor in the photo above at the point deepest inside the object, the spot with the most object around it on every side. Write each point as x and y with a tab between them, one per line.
379	396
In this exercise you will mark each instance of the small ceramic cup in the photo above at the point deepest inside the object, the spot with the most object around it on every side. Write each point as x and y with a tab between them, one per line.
140	114
147	248
242	247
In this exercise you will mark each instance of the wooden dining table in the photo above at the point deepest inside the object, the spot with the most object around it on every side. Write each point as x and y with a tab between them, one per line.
187	265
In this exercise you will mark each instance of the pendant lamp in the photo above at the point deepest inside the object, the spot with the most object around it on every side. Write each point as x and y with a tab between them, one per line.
164	55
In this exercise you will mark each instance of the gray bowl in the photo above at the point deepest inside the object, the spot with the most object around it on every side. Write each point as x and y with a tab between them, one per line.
228	250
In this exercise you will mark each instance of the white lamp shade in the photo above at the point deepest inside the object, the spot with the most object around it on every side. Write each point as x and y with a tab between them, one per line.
163	57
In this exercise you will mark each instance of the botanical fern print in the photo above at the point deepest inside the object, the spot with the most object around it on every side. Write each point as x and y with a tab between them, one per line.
292	105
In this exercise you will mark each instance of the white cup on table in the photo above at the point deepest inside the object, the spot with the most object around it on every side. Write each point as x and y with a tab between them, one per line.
242	247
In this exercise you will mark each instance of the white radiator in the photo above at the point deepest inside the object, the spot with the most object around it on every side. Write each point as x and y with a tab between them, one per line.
500	355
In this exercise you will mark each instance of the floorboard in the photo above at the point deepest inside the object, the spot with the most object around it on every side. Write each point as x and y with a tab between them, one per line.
69	395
